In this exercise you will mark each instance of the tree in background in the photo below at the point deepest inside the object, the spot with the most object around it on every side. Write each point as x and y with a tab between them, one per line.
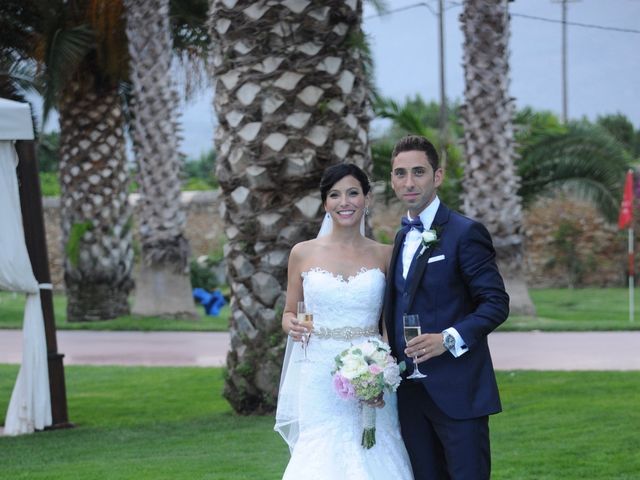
82	52
163	286
622	130
200	172
82	49
48	154
291	99
491	181
581	159
17	67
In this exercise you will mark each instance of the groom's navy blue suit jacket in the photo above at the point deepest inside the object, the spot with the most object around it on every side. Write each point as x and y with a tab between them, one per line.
464	290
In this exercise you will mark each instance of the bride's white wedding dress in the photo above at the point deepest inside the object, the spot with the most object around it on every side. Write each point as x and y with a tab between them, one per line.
324	432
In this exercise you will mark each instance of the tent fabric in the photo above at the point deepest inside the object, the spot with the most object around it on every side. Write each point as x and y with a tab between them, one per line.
15	120
30	404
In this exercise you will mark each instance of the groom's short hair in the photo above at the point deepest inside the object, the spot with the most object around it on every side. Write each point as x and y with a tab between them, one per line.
412	143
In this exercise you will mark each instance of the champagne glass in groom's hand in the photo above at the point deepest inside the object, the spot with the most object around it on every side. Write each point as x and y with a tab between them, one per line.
412	329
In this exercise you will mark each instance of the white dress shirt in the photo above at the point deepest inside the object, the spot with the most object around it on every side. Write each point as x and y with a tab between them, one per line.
413	238
412	241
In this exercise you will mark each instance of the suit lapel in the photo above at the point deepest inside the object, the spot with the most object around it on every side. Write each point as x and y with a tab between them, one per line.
420	268
388	297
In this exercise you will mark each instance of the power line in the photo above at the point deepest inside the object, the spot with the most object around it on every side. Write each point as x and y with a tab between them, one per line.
402	9
521	15
576	24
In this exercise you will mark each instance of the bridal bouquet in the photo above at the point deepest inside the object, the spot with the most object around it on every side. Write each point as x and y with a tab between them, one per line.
363	372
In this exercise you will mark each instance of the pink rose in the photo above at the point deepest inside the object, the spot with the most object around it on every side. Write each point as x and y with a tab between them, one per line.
375	369
343	387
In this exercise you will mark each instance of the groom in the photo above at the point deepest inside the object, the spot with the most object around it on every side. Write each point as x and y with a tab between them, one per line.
453	284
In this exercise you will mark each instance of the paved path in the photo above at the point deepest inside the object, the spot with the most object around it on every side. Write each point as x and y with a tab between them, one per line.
510	350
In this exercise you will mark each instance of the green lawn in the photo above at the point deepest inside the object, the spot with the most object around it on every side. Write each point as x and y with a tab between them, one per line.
12	311
580	309
558	310
172	423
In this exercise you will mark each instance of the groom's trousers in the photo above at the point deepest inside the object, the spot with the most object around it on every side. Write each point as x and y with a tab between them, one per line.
440	447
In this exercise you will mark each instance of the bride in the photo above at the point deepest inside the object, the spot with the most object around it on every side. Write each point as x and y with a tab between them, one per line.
340	276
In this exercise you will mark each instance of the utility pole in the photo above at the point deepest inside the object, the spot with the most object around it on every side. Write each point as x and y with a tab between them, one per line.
565	90
443	95
565	114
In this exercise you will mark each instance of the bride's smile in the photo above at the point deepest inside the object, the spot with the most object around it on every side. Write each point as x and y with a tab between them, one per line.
346	213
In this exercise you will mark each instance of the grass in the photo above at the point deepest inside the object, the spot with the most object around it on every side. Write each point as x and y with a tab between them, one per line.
172	423
12	311
584	309
580	309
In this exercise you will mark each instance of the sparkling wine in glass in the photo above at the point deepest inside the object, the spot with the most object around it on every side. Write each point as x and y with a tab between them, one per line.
412	329
305	318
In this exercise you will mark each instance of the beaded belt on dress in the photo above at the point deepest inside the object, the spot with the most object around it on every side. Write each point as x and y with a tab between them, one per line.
344	333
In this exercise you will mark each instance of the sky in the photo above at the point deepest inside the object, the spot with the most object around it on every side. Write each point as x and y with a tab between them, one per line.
603	64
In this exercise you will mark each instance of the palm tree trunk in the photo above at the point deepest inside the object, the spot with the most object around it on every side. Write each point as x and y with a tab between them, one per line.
163	287
491	181
291	99
96	217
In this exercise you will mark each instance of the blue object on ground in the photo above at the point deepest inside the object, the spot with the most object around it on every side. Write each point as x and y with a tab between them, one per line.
211	301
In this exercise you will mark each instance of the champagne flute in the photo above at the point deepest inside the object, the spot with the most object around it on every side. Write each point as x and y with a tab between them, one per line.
304	318
412	329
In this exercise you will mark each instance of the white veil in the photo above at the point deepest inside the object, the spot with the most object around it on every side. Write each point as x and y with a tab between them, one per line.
288	410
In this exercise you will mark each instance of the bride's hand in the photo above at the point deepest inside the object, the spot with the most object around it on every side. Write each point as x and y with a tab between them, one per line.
376	402
293	328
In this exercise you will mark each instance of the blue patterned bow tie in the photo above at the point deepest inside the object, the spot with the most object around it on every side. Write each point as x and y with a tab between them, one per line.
409	224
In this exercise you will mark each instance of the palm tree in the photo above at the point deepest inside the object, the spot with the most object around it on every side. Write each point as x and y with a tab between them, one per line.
163	287
491	181
581	159
291	99
81	48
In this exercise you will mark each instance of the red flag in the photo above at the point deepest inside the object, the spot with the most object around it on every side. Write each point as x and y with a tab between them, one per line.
626	207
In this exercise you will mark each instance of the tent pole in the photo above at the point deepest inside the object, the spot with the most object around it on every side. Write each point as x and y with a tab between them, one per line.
35	238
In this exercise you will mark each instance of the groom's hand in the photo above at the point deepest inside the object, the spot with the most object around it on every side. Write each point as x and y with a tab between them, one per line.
424	347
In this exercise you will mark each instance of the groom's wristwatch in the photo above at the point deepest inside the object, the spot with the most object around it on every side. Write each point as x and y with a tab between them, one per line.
448	341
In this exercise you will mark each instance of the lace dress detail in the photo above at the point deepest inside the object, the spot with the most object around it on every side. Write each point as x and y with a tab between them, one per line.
328	445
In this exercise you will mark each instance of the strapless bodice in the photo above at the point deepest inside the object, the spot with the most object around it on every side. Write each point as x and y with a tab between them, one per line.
337	302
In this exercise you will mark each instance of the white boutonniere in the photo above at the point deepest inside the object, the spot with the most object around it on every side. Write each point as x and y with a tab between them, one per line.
430	238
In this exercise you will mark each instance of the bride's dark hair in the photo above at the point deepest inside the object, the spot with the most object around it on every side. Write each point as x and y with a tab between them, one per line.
335	173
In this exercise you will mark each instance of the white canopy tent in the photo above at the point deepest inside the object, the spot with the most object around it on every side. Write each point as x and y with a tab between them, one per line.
30	405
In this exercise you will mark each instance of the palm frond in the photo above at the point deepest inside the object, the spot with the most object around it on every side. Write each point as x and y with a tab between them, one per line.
191	44
585	160
66	50
18	78
405	117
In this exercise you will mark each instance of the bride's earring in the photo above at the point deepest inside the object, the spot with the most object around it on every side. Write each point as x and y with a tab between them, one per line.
366	211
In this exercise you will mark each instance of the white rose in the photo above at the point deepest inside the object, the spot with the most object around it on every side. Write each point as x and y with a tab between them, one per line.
391	375
368	348
429	236
353	366
379	356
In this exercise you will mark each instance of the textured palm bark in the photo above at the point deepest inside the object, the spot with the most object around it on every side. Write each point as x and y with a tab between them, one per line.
291	99
491	181
163	287
95	214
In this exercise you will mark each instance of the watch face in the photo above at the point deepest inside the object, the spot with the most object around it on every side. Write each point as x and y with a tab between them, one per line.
449	341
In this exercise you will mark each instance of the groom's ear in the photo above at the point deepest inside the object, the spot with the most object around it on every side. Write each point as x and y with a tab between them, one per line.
438	177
